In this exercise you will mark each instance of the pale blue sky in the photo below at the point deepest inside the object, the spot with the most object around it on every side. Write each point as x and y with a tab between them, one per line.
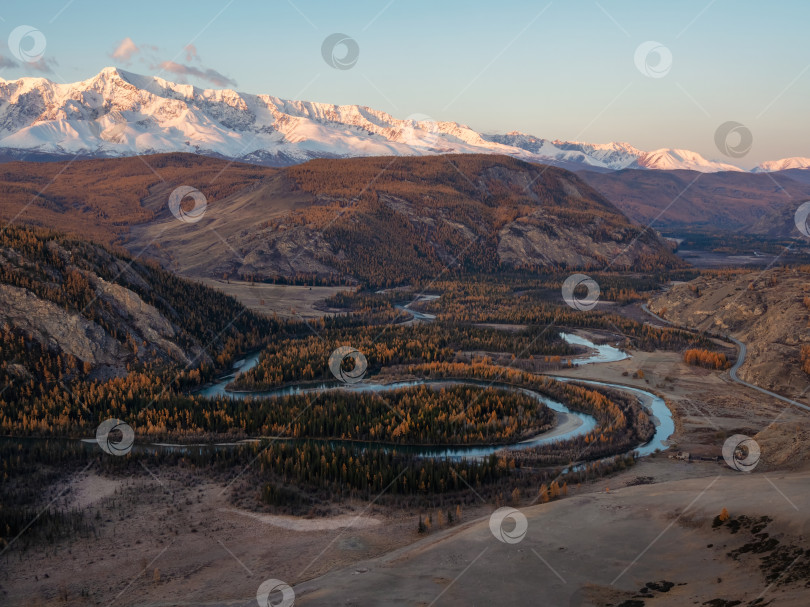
563	69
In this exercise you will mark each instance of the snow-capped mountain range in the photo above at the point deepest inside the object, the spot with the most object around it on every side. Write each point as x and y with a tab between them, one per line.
118	113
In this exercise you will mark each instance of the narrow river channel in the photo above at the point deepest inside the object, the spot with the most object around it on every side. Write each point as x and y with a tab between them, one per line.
569	423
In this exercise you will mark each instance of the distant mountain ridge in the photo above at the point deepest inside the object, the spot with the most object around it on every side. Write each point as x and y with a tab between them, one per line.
758	203
117	113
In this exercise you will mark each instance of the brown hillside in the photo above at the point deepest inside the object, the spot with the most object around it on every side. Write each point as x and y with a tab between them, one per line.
690	200
101	198
389	220
379	220
768	311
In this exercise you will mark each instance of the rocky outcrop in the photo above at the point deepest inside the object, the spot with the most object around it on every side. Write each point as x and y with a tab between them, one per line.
143	320
51	325
133	332
539	241
150	336
764	310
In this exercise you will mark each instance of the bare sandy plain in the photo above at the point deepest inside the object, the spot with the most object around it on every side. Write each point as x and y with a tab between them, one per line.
285	301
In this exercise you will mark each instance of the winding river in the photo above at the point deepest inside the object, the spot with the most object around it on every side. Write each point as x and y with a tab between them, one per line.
569	423
602	353
415	315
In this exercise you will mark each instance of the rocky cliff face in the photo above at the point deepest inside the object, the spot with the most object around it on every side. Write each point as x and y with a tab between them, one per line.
57	329
124	330
765	310
72	309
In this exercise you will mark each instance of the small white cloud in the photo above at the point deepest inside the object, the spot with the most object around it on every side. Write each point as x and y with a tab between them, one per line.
191	52
208	74
8	62
42	65
125	50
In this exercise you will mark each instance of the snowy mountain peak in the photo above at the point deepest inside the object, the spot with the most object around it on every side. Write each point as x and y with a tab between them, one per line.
109	72
796	162
668	159
119	113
